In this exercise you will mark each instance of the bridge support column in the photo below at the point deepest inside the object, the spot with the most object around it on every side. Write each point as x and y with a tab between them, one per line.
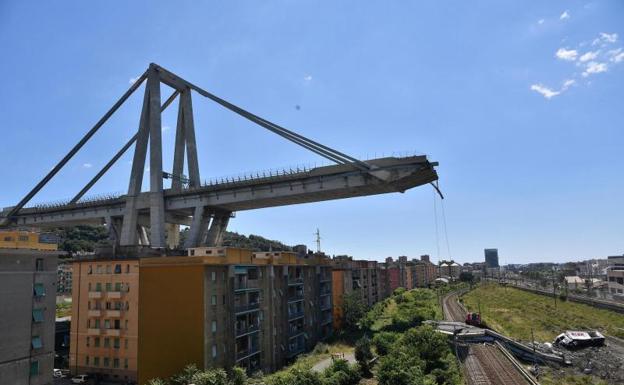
173	235
217	228
197	231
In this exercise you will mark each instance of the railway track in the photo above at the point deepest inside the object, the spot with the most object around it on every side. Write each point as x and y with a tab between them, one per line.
484	364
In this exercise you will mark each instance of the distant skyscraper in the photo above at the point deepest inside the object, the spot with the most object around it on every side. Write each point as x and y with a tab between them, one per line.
491	257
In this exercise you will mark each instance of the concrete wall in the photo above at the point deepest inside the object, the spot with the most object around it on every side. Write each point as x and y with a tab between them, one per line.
18	275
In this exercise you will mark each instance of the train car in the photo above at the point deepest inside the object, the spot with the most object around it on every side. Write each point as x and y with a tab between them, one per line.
473	319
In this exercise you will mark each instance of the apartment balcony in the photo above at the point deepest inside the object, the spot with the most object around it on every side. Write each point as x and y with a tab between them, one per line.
94	332
247	307
292	281
95	294
249	284
326	320
295	350
113	332
241	355
113	294
240	332
295	298
324	279
326	306
295	315
295	332
94	313
113	313
325	291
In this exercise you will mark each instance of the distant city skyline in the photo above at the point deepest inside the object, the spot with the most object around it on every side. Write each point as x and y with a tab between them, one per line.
521	105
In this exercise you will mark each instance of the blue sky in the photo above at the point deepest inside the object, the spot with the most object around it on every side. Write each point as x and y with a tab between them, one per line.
520	102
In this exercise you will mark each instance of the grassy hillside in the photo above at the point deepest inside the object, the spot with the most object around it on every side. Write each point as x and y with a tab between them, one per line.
514	312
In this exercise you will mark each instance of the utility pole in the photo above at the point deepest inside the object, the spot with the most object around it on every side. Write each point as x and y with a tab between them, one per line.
554	287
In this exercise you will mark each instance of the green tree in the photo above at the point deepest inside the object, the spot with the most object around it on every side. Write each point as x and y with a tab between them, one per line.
237	376
363	355
383	342
296	375
186	376
157	381
340	372
354	309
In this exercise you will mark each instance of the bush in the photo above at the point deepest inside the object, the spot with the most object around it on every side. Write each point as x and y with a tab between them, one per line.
363	354
383	342
321	348
340	372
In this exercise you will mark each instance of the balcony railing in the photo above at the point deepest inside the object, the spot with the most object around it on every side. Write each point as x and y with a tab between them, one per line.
326	306
114	294
295	297
246	353
293	332
295	280
95	294
295	314
326	320
246	330
94	313
246	307
250	284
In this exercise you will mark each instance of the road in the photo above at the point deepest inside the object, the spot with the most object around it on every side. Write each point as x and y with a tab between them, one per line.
483	364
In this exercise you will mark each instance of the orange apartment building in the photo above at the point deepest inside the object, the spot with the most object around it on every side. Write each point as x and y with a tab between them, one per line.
141	318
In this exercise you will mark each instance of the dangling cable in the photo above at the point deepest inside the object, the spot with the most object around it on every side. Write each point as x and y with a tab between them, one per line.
435	216
448	247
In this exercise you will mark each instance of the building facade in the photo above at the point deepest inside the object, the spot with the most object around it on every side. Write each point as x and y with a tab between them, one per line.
491	258
27	303
142	318
64	277
615	275
29	240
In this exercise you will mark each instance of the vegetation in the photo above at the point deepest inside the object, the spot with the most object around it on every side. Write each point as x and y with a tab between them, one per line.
363	355
354	309
404	310
63	309
191	375
80	238
514	312
339	372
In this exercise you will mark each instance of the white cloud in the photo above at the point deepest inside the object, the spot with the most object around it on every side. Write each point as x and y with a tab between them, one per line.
565	15
87	165
566	54
609	37
544	91
307	79
567	84
618	57
589	56
133	80
541	21
594	68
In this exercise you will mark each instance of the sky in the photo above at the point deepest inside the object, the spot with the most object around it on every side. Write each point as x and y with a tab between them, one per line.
520	102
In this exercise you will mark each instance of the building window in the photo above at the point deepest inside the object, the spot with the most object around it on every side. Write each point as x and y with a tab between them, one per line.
8	239
106	326
192	252
213	300
90	269
96	341
125	363
98	270
34	368
214	351
126	343
213	276
36	342
96	361
109	286
106	362
37	315
108	269
39	290
117	269
116	343
86	360
88	341
98	286
39	264
23	238
115	363
97	323
117	286
214	326
127	269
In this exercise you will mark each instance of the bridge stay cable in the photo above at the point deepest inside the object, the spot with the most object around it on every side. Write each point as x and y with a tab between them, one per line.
76	148
179	86
118	155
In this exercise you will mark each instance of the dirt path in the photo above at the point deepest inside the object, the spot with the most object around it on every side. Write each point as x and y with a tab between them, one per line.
324	364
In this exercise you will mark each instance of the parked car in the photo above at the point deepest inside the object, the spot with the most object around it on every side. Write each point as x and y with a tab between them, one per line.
80	379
